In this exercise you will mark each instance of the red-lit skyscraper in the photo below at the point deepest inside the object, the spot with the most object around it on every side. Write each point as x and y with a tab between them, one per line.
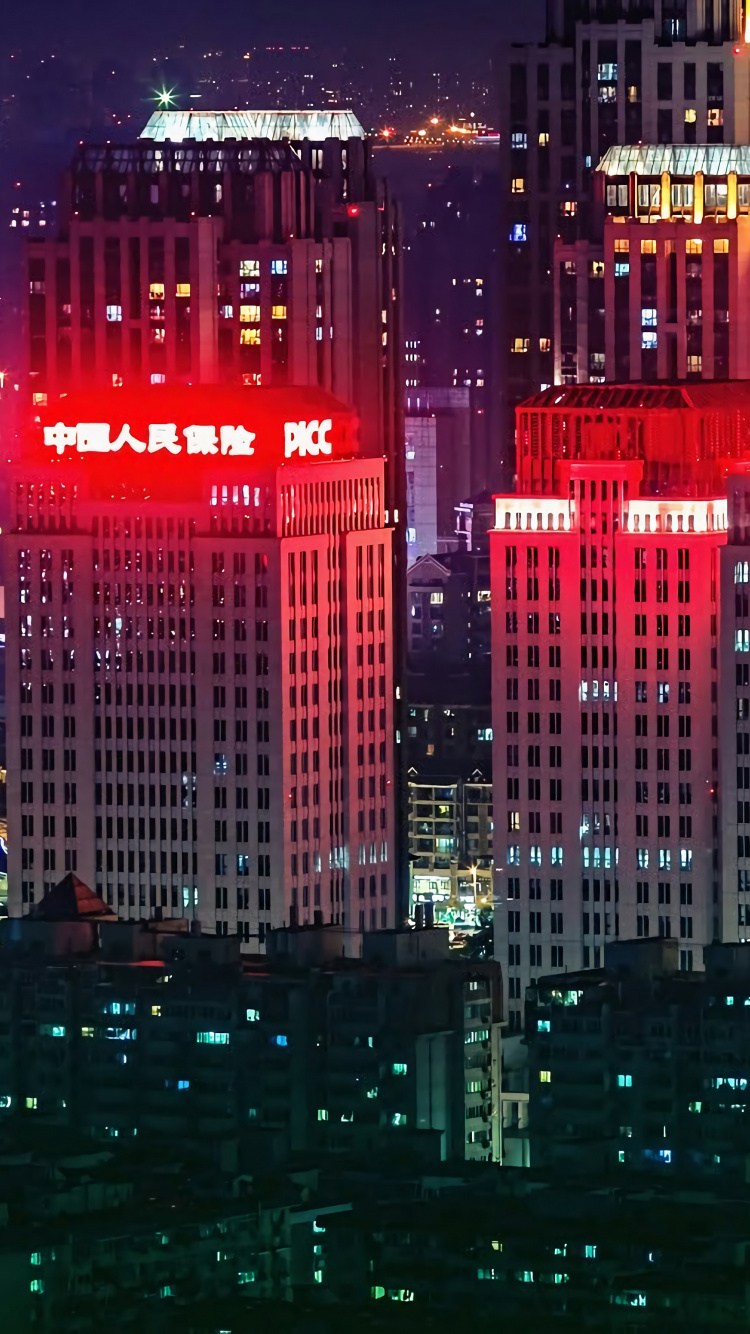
200	661
620	676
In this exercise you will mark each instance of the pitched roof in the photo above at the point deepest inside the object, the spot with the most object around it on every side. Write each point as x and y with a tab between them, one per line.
220	125
72	901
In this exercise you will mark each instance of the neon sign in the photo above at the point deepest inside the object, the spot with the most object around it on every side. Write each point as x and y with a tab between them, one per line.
307	438
300	437
95	438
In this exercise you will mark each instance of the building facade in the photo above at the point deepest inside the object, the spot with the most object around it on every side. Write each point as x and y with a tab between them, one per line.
667	256
201	662
386	1051
617	581
629	1065
631	72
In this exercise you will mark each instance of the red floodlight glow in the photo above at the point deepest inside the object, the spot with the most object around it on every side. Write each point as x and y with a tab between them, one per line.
353	210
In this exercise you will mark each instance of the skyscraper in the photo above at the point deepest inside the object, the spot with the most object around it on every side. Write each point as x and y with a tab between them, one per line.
200	662
620	671
666	256
643	71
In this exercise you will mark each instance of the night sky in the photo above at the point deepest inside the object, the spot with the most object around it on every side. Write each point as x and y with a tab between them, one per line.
140	24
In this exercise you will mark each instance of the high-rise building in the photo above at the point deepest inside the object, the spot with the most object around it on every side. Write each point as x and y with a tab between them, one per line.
620	676
204	254
626	72
200	662
666	255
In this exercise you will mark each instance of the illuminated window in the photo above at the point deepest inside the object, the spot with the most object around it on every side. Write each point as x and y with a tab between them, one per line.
318	266
158	378
249	314
649	196
436	598
322	1113
648	317
695	364
253	1016
715	116
182	289
251	377
544	138
52	1030
721	247
156	291
518	139
682	195
39	400
545	344
569	208
624	1081
693	246
648	247
114	314
250	336
519	232
520	345
742	572
545	1076
622	246
31	1104
278	266
226	312
278	312
156	1011
213	1039
116	380
691	115
518	185
249	268
158	335
622	269
742	641
648	338
399	1068
597	268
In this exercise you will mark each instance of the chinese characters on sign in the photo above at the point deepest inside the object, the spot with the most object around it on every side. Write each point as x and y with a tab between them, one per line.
300	438
94	438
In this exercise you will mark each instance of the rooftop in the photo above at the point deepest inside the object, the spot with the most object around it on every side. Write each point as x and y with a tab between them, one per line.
677	159
220	125
619	397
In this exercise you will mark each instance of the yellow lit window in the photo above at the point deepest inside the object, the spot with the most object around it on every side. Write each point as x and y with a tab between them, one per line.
597	268
249	268
436	599
250	336
249	314
543	138
545	344
39	400
520	344
182	289
695	364
545	1076
569	208
622	246
278	312
648	247
318	266
691	115
156	1011
518	185
156	291
721	247
158	335
694	246
715	116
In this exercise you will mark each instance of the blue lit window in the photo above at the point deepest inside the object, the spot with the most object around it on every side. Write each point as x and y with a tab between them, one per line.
648	338
278	266
183	1083
648	317
519	232
518	139
622	269
279	1040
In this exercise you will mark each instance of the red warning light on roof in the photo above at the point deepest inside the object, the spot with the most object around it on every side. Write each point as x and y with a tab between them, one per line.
353	210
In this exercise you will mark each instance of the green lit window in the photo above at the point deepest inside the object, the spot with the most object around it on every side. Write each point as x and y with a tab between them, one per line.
398	1068
52	1030
624	1081
213	1039
253	1016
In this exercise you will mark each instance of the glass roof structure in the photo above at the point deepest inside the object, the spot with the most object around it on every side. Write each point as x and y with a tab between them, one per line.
677	159
176	126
